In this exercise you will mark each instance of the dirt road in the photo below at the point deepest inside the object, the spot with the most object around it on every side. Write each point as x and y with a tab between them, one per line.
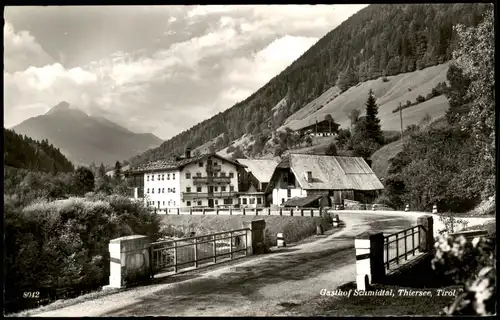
261	286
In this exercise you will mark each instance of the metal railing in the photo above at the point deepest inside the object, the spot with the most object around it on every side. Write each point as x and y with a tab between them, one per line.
257	211
397	245
193	252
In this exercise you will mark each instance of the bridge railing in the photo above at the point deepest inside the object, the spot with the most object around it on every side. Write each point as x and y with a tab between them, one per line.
399	245
188	253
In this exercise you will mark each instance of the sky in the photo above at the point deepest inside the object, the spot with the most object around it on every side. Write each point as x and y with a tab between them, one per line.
158	69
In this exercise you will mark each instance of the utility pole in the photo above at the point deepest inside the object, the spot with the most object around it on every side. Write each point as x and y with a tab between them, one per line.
401	118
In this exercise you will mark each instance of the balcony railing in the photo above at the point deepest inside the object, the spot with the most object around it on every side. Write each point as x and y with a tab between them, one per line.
204	195
131	192
205	180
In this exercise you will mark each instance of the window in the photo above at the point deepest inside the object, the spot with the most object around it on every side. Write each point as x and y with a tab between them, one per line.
215	163
163	202
198	189
162	177
216	202
173	176
200	164
174	202
288	193
216	189
147	191
259	200
252	200
231	174
158	177
168	190
158	204
228	201
147	178
199	203
282	200
173	190
223	188
239	200
222	174
188	203
159	190
168	176
188	189
152	190
198	174
152	177
162	190
244	200
231	188
188	175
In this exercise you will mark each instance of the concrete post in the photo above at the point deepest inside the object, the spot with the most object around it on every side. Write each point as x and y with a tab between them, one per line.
369	260
434	209
243	211
129	261
230	211
427	235
255	236
136	194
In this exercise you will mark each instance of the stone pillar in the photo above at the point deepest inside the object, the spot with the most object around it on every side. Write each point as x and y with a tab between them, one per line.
427	235
129	261
255	236
369	259
136	193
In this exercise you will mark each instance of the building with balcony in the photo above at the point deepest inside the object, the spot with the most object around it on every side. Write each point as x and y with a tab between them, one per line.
327	177
207	180
254	178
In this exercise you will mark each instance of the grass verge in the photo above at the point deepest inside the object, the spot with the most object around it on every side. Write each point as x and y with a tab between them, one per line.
293	228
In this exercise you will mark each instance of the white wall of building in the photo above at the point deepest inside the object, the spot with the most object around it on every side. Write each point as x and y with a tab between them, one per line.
162	189
279	194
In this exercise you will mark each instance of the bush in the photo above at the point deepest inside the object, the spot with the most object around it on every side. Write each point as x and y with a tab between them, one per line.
472	264
384	79
62	246
384	200
420	99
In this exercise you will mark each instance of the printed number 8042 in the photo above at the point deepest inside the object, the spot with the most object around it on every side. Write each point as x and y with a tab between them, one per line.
31	295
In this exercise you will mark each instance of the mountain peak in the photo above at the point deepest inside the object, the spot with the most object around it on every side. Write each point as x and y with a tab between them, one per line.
61	106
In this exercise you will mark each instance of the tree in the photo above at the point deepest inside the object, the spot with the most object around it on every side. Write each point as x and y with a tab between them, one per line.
211	148
372	122
354	116
83	181
308	140
475	55
118	172
347	79
330	120
331	150
101	171
238	154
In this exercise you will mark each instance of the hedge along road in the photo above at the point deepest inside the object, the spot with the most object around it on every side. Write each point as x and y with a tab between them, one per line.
262	285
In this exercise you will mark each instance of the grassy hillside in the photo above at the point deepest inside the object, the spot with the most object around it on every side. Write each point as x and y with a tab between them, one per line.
399	88
364	46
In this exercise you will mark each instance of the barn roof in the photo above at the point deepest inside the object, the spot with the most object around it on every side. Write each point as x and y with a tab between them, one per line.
332	172
173	164
262	169
301	201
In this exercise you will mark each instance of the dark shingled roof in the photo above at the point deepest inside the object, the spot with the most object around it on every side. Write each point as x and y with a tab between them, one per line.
301	201
173	164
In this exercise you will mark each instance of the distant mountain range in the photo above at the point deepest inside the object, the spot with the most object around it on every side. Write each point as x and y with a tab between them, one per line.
84	139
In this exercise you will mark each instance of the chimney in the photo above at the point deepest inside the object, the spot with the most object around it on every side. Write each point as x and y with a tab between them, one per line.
188	153
309	176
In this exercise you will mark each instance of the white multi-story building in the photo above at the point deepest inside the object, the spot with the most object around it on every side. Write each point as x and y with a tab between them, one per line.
207	180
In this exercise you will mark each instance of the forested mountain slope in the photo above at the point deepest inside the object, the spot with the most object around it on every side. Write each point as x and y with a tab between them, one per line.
25	153
382	39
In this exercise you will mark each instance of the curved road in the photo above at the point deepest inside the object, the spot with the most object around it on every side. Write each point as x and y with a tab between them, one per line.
258	286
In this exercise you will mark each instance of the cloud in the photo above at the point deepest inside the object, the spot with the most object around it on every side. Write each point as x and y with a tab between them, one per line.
198	61
21	50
